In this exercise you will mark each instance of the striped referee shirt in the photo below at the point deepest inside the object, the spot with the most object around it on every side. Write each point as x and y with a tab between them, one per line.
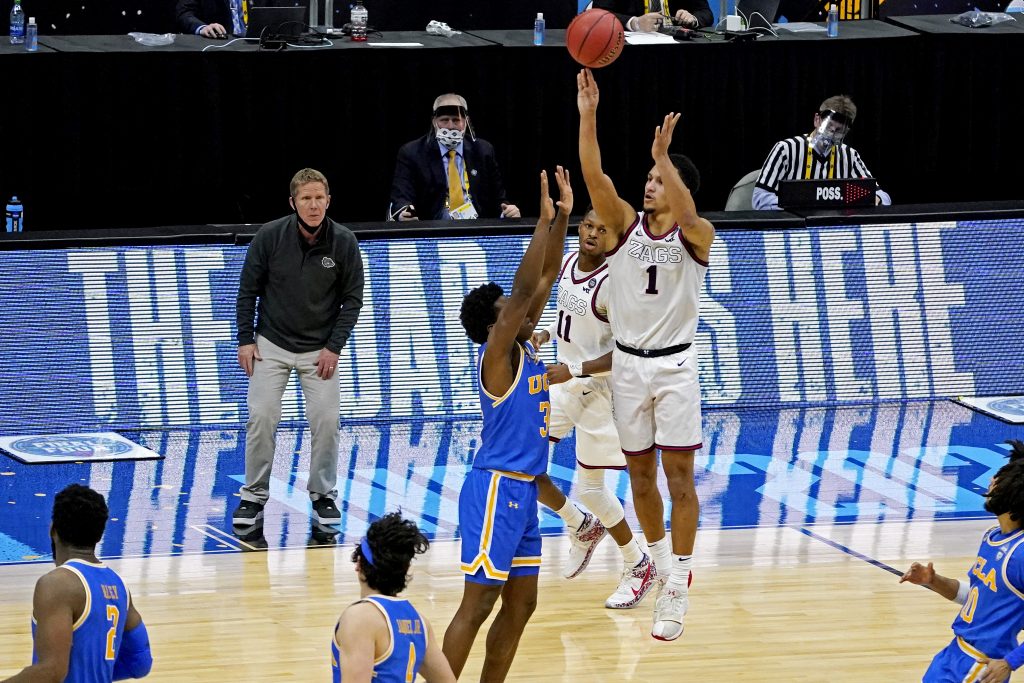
793	159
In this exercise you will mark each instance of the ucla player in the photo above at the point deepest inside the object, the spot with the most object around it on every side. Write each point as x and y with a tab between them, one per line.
655	274
984	647
498	502
581	399
382	637
85	628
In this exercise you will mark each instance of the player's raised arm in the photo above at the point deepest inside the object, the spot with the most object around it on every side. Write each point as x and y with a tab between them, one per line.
555	245
616	213
53	611
698	231
498	370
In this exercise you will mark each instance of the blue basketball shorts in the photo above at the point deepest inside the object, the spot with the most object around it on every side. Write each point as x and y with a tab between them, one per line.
498	523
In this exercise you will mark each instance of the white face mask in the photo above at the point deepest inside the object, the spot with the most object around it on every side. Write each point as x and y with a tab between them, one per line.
451	138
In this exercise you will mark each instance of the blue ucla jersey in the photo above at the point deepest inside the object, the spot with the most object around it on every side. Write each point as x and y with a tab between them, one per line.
994	611
97	633
404	657
515	431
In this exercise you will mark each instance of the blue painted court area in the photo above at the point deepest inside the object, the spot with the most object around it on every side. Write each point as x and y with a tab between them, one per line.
793	467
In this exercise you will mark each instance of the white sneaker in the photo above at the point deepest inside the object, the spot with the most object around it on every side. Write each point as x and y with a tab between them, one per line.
583	544
668	614
634	586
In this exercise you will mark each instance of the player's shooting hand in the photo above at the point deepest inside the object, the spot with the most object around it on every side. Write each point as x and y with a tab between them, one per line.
663	136
558	373
995	671
539	339
587	94
326	364
564	190
919	574
547	207
248	354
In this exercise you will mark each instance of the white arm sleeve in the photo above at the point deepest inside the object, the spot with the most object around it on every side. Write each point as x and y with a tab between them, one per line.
961	592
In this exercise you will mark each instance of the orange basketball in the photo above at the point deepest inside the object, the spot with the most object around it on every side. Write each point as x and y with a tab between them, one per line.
595	38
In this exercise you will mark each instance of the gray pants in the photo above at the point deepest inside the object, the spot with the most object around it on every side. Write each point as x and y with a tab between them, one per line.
266	389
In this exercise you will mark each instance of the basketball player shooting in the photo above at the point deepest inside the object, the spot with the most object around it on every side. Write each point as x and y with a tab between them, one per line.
656	269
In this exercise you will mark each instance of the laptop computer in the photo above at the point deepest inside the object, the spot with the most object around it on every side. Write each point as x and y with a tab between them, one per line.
277	21
759	14
839	192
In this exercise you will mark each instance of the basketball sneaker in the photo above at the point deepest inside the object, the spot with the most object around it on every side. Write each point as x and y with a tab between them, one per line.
247	513
668	614
325	511
634	586
583	544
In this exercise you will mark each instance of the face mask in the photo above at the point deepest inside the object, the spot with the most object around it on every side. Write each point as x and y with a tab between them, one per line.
450	138
829	132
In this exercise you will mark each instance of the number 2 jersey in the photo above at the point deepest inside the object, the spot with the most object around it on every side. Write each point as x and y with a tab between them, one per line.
993	613
404	657
98	631
654	288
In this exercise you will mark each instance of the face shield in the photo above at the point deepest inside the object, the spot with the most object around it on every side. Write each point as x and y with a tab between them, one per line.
831	130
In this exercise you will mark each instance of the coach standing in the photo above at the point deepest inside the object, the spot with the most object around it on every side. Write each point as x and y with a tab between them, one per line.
307	273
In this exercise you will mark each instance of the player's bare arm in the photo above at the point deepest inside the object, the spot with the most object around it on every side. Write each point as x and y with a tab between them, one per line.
557	374
356	637
617	214
555	245
698	231
500	361
923	575
57	596
435	667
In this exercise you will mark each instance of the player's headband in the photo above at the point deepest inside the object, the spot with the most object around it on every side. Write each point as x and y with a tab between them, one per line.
364	546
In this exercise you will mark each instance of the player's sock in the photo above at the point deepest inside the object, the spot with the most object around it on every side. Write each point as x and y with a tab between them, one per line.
631	553
661	554
679	577
571	515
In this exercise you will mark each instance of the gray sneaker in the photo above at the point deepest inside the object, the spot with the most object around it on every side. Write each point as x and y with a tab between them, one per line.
326	512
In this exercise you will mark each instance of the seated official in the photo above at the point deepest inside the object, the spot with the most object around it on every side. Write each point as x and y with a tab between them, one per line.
207	18
650	15
446	175
819	155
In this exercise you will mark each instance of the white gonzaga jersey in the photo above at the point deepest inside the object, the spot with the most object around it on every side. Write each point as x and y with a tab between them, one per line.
581	327
654	288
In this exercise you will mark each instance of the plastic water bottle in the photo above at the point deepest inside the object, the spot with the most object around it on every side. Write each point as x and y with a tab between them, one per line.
833	21
17	24
359	18
32	35
538	29
15	215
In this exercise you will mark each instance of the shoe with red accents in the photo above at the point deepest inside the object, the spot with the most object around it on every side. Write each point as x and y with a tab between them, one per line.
636	583
583	544
669	612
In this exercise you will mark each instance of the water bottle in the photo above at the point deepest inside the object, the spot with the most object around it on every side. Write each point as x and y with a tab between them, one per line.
17	24
32	35
359	19
538	29
833	21
15	215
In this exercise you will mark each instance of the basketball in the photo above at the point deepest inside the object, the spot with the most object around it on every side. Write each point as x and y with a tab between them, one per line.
595	38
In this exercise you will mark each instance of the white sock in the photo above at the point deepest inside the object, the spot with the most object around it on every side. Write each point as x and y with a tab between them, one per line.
661	554
631	553
679	578
571	515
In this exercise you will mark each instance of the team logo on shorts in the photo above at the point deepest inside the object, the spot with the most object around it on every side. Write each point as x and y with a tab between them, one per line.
327	262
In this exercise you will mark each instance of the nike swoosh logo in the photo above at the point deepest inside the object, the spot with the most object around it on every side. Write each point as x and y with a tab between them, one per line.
587	393
679	365
647	575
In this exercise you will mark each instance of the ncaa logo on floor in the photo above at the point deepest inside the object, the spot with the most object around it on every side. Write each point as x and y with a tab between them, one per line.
71	446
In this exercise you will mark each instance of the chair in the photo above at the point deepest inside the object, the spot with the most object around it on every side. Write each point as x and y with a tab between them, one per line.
741	194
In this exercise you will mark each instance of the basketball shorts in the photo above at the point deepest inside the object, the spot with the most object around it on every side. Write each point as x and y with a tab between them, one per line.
498	523
586	404
656	401
954	664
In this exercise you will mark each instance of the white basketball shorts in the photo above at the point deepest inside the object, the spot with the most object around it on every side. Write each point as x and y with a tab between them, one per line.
586	404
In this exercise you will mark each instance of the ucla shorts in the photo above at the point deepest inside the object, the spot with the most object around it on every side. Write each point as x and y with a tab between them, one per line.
954	664
498	523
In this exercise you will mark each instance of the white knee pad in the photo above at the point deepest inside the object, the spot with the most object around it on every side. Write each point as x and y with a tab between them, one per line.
598	498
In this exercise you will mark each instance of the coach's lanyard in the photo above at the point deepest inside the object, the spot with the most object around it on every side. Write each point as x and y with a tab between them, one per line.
664	7
810	160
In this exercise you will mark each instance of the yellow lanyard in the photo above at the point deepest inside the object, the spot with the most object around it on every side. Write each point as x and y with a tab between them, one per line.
664	7
831	162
